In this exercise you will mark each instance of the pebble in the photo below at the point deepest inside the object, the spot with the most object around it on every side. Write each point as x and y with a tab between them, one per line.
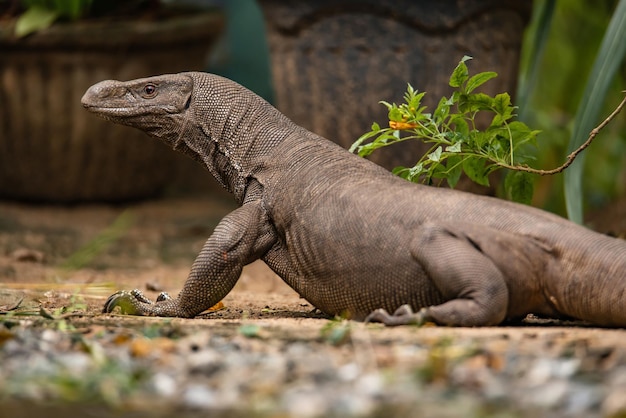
198	396
28	255
614	403
164	385
307	378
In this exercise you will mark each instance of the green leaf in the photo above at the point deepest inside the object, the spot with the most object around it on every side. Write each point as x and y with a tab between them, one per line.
475	102
435	155
478	80
478	139
356	146
414	99
395	114
455	168
336	332
475	169
250	330
442	110
500	119
415	172
460	73
456	147
402	172
73	8
438	171
502	103
460	125
519	187
34	19
610	56
528	76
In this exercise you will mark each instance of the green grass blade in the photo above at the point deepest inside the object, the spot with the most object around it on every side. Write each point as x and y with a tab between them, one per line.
608	60
100	243
528	78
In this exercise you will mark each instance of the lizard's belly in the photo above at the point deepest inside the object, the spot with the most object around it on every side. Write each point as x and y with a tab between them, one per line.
354	279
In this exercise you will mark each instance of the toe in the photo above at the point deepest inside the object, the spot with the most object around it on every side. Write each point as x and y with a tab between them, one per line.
379	315
131	303
404	315
163	296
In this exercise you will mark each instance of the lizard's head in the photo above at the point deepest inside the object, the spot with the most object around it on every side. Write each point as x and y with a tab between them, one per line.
156	105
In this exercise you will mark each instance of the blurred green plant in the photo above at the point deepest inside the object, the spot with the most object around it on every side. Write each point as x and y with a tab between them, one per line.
608	60
83	256
40	14
559	54
337	331
36	15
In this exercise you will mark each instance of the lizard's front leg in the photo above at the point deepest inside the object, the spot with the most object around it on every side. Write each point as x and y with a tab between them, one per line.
240	238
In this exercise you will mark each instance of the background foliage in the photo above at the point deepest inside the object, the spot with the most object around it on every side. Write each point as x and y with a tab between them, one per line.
572	42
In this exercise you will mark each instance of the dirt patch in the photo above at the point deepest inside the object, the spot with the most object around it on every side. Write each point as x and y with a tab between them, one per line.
266	353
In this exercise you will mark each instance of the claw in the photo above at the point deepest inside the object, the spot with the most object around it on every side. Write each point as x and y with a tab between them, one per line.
404	315
130	303
162	296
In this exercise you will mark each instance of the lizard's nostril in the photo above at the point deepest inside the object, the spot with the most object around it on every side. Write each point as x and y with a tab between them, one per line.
102	90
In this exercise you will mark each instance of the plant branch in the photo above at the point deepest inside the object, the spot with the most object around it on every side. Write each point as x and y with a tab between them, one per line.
571	157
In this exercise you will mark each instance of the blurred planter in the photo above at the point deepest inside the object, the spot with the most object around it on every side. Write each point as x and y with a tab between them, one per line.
334	60
51	149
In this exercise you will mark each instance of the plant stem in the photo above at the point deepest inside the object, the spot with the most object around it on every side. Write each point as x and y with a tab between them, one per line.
571	157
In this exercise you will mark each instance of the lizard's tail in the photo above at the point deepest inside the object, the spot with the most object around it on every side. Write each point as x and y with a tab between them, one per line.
593	287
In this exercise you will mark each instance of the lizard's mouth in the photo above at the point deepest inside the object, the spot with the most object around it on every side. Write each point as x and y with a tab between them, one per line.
105	110
126	112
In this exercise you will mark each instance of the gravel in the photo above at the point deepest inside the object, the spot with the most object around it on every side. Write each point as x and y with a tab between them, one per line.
161	368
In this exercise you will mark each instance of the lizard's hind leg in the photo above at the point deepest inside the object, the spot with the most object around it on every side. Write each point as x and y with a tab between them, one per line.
474	287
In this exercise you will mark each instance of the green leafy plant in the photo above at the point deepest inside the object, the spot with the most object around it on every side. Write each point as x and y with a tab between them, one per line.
336	331
250	330
458	146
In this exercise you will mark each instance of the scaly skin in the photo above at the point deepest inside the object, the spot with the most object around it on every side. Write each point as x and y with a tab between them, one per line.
350	237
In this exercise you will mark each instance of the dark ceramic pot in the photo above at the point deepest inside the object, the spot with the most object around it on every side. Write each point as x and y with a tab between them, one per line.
51	149
334	60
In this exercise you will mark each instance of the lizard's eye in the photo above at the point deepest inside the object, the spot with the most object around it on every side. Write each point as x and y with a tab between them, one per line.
149	90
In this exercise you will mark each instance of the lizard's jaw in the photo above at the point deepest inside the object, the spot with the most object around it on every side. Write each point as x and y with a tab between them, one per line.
119	114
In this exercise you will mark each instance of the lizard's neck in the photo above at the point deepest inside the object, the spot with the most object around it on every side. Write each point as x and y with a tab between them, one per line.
208	154
232	133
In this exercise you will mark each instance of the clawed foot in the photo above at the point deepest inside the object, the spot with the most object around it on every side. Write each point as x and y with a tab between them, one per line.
132	303
404	315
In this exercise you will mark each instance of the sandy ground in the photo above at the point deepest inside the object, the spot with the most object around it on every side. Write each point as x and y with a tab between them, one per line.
53	256
50	254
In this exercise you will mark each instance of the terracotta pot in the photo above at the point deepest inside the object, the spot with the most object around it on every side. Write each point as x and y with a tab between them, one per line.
51	149
334	60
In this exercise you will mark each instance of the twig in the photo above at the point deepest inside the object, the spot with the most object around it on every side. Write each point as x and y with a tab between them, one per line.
12	307
573	155
75	314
